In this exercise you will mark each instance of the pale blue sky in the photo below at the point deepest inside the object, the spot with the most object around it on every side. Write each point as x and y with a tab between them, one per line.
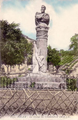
63	18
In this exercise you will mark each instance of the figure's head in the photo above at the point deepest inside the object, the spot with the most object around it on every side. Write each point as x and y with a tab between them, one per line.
43	8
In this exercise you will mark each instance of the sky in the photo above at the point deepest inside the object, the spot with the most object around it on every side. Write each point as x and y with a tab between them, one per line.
63	18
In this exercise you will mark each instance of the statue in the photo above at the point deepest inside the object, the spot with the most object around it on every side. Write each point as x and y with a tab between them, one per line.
42	18
40	46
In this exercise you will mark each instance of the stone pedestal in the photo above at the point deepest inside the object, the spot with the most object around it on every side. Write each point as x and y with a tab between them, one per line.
41	81
42	38
41	48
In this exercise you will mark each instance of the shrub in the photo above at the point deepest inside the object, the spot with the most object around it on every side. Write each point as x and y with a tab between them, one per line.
5	81
32	85
71	84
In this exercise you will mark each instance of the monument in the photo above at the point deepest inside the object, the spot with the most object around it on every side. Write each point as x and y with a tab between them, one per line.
40	46
39	78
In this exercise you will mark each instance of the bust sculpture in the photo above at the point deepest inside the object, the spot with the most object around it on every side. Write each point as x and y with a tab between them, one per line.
42	19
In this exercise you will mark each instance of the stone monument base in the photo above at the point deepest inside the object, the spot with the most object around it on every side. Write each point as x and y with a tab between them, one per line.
41	81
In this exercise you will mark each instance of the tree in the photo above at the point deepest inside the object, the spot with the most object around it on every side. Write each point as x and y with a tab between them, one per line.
66	56
29	53
14	46
74	44
69	55
53	57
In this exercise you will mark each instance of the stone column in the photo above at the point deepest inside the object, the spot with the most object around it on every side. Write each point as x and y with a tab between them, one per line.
42	38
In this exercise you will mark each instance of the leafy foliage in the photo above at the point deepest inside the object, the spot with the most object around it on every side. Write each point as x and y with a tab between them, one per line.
32	85
74	44
29	53
6	81
69	56
66	56
29	59
53	57
71	84
66	59
14	45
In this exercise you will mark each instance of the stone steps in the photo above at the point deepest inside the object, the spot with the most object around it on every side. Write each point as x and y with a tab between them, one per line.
40	85
40	82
